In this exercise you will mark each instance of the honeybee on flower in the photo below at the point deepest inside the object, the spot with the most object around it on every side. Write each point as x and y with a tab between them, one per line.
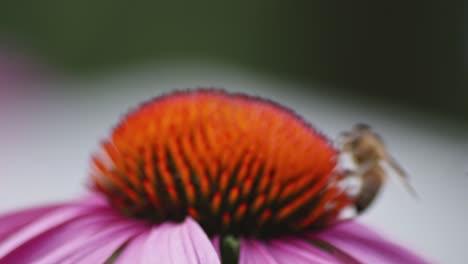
369	154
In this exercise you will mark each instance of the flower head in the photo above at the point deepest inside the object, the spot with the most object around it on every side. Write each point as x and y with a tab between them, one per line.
199	177
236	164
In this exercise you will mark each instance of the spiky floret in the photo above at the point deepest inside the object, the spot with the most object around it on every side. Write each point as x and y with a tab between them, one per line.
236	164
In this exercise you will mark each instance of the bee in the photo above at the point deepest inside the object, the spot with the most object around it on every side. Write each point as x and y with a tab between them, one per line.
369	154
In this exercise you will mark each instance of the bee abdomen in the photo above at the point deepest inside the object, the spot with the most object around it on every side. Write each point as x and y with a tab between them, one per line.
372	181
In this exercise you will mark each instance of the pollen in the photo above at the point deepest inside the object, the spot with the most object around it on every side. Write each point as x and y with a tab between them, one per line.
237	164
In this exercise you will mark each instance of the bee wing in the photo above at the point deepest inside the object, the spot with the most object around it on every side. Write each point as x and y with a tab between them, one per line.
403	175
396	167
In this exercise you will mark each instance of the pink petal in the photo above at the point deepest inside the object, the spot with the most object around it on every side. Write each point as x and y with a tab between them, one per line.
100	247
298	251
93	199
366	245
11	222
215	241
179	243
133	251
43	224
54	241
253	252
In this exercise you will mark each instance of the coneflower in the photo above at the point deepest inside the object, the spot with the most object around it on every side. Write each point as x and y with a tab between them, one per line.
204	176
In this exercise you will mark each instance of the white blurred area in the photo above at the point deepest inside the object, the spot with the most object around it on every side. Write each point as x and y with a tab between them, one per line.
48	132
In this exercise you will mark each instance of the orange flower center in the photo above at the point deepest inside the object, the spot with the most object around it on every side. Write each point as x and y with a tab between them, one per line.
236	164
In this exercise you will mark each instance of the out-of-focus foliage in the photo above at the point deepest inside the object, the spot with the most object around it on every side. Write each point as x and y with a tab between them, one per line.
410	52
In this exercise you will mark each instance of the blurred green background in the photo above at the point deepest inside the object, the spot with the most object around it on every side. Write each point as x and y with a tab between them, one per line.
409	52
